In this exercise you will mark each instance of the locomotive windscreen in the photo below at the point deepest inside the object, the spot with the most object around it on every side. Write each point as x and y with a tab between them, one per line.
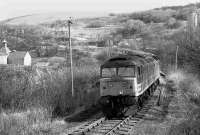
123	71
108	72
126	71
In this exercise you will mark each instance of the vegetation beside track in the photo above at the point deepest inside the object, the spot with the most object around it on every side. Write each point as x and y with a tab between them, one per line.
179	108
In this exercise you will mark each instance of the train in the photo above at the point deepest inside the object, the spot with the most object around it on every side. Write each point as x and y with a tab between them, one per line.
126	80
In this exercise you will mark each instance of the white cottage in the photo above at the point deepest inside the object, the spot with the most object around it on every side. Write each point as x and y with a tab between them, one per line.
3	58
19	58
4	52
15	57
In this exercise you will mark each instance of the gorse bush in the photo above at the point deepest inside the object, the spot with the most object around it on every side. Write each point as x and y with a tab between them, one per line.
48	88
155	16
31	96
172	23
96	24
131	27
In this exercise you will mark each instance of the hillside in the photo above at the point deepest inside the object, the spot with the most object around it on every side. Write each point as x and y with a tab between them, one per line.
154	30
180	12
36	19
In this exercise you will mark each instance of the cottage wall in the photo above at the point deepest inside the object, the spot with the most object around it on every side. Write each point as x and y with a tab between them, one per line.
27	59
16	61
3	59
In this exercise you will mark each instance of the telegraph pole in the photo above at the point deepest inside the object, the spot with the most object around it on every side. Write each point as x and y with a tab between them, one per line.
176	62
71	60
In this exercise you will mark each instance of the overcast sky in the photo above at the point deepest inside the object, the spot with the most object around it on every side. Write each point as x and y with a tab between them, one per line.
12	8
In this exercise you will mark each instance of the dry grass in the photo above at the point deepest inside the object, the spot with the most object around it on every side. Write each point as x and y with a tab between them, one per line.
188	89
34	121
30	98
178	113
48	88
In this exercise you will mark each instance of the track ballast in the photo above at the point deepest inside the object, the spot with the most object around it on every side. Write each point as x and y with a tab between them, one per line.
120	126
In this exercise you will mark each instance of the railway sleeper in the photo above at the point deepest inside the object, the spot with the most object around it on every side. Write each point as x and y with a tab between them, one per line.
104	128
110	123
101	130
127	125
119	132
95	133
135	119
123	129
132	122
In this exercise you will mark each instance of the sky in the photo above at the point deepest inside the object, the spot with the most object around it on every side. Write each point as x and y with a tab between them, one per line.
14	8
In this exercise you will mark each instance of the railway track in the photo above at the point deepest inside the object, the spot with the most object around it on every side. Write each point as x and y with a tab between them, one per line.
122	126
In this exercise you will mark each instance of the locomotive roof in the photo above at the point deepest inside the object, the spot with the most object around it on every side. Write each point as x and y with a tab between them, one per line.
131	59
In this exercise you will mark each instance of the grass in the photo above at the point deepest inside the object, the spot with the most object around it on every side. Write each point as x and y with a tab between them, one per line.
189	89
35	121
177	114
48	88
31	98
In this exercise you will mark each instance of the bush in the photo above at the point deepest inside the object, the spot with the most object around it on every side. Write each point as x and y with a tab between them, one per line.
172	23
188	85
130	28
186	128
155	16
34	121
48	88
96	24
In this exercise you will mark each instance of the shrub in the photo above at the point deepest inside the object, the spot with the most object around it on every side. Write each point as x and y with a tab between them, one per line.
96	24
130	28
172	23
34	121
155	16
188	85
186	128
48	88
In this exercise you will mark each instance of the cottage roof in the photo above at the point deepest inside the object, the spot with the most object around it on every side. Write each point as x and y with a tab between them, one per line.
17	55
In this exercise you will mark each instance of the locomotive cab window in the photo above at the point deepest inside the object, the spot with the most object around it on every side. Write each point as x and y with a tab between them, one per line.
121	71
108	72
126	72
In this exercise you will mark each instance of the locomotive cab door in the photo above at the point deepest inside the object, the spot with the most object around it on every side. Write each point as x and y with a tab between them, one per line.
139	74
139	77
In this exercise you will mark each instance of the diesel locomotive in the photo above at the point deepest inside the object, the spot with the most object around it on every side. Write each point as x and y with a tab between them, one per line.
127	80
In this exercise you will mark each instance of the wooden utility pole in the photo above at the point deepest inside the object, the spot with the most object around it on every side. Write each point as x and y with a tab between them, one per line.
71	60
176	62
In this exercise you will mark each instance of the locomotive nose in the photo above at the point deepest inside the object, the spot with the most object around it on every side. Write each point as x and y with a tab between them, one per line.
112	87
104	101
